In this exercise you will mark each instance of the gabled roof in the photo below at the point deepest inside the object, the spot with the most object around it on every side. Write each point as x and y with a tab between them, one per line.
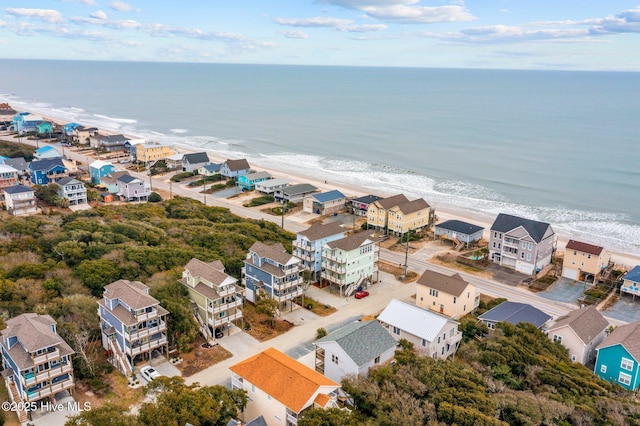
235	165
114	176
198	268
584	247
363	341
196	157
318	231
127	178
453	284
44	149
68	180
274	182
18	163
506	222
514	313
282	377
46	164
633	275
114	138
133	293
17	189
367	199
298	189
587	323
98	164
325	197
257	175
414	320
213	167
628	336
387	203
274	252
460	227
351	242
7	169
413	206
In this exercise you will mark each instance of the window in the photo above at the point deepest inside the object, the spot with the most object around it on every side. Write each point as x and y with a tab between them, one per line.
494	244
627	364
421	298
603	368
464	308
524	244
451	332
491	325
377	360
424	343
433	292
438	339
588	256
557	338
454	299
334	359
625	379
573	358
396	331
443	350
522	255
575	253
253	388
528	256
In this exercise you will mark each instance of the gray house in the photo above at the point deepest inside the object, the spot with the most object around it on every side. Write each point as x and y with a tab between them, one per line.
192	162
514	313
73	190
294	193
108	143
522	244
459	232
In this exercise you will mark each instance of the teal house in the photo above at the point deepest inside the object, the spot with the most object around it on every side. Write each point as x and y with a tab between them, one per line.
45	129
618	358
248	182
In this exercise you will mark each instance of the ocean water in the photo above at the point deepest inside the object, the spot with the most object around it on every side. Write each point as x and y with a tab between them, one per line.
555	146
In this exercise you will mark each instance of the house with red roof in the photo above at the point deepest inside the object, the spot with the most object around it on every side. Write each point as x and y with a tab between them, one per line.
583	261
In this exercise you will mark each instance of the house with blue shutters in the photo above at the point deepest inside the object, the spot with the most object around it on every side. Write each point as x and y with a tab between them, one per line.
248	182
35	359
99	169
324	202
45	171
271	271
45	152
631	282
308	244
618	357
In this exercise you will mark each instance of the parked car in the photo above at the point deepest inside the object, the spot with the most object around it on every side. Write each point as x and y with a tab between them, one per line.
361	294
219	334
149	373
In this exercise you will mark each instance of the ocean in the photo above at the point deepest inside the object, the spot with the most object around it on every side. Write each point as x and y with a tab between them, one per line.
559	147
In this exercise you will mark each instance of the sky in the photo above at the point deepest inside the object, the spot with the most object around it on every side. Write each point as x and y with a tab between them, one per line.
505	34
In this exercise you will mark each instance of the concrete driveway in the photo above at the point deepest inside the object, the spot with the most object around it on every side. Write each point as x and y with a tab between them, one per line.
564	290
626	309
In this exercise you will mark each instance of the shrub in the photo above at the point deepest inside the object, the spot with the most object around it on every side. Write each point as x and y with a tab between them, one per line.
320	333
154	197
181	176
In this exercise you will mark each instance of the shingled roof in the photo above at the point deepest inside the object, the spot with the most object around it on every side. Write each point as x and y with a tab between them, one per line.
628	336
235	165
587	323
133	293
209	272
387	203
351	242
275	252
460	227
453	284
363	341
413	206
506	222
584	247
515	313
317	231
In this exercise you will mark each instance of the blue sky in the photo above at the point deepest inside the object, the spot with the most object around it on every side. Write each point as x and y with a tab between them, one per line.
542	34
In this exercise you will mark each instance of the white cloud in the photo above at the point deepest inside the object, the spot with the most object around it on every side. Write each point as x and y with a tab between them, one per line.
362	28
47	15
99	15
87	2
293	34
120	6
406	11
317	22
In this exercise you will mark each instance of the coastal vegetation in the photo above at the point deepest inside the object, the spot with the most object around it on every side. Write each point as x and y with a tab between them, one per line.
12	149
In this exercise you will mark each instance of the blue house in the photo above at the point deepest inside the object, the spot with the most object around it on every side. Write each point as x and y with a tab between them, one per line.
248	182
308	244
46	151
45	171
26	122
100	169
68	130
45	128
133	324
631	282
272	272
618	357
36	360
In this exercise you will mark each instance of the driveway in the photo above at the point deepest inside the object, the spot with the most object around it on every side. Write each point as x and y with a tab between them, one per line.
506	275
58	413
564	290
626	309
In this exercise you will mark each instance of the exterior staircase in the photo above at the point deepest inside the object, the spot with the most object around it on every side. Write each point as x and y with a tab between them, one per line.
23	415
204	329
353	287
459	244
123	363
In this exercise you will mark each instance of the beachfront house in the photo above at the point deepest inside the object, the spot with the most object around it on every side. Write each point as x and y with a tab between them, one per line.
353	350
20	200
411	216
618	357
45	152
6	113
631	282
109	143
449	295
83	134
8	177
514	313
174	162
150	152
217	297
248	182
69	131
350	263
432	334
462	234
72	190
131	146
43	172
270	186
522	244
45	129
36	361
378	211
324	203
133	324
308	244
26	123
272	272
193	161
209	169
294	193
18	163
233	169
583	261
131	188
359	206
99	169
580	331
280	389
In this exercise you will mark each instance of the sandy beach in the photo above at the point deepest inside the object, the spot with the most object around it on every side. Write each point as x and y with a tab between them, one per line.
622	260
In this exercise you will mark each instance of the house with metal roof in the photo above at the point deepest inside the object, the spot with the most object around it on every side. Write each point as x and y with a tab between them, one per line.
26	122
233	169
354	349
522	244
359	206
270	186
42	172
324	203
108	143
133	324
280	388
18	163
45	152
272	272
459	232
131	188
583	261
209	169
72	190
618	357
514	313
294	193
20	200
248	182
308	244
449	295
631	282
432	334
36	361
99	168
193	161
580	331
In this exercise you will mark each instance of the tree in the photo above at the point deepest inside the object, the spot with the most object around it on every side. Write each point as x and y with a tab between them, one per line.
267	306
307	277
154	197
327	417
107	415
96	274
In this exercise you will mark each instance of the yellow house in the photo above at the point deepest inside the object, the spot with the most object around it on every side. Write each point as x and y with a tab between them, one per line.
582	260
148	152
410	216
378	211
449	295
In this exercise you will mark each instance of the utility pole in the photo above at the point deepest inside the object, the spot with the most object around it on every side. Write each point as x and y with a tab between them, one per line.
406	257
170	191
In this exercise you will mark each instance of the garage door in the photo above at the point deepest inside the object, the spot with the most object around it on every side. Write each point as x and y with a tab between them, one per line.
570	273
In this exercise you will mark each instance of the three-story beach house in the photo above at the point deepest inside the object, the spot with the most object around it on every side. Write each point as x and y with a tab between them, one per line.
618	357
271	271
308	244
449	295
584	261
20	200
350	262
153	151
8	177
378	211
232	169
359	206
411	216
35	359
217	298
133	324
522	244
45	171
72	190
99	169
462	234
132	188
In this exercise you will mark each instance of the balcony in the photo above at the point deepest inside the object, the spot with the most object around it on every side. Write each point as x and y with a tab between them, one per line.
329	256
289	295
146	346
305	257
145	332
217	322
50	390
48	374
287	284
224	306
303	246
49	356
510	242
147	315
338	269
333	279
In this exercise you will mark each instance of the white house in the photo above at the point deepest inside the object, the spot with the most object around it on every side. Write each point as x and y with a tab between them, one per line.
73	190
580	331
270	186
19	200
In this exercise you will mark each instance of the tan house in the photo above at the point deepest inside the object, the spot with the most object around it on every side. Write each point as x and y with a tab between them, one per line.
449	295
584	261
580	331
410	216
378	211
148	152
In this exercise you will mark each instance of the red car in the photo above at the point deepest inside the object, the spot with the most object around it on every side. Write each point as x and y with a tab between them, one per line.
361	294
